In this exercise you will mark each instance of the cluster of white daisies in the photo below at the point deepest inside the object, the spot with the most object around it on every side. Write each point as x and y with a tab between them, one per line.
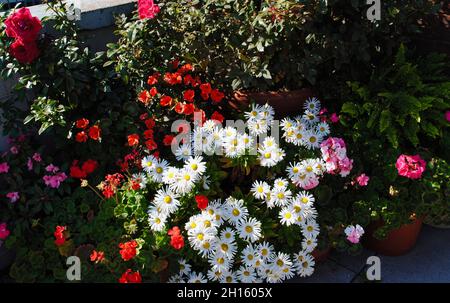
215	232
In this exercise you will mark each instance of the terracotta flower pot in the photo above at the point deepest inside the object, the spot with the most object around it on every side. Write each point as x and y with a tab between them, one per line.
284	103
321	255
398	242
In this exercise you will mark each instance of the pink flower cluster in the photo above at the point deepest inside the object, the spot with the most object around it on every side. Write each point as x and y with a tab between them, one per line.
354	233
334	153
13	196
4	168
55	180
147	9
4	232
362	180
36	157
410	166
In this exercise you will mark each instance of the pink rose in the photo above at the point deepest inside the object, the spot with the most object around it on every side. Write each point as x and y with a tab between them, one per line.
410	166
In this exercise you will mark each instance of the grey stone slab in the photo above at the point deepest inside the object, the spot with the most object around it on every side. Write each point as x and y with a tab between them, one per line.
353	263
428	262
327	272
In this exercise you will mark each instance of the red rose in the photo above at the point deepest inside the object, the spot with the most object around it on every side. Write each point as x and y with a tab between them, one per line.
165	101
179	107
23	26
205	88
24	52
189	95
188	109
202	201
82	123
147	9
153	91
89	166
168	139
95	132
144	97
216	95
148	134
217	116
130	277
176	239
150	123
76	172
81	137
153	79
128	250
151	144
133	140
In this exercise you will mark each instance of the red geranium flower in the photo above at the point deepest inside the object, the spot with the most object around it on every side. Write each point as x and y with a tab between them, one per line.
151	144
150	123
24	52
81	137
176	239
76	172
23	26
130	277
205	88
173	78
165	101
133	139
145	97
147	9
148	134
179	107
168	139
188	80
82	123
95	132
202	201
217	116
128	250
60	237
185	68
89	166
188	109
189	95
216	95
153	91
97	256
153	79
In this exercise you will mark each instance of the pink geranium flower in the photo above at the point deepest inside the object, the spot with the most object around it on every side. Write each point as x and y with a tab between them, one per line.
37	157
13	196
354	233
362	180
55	180
4	232
410	166
334	118
30	164
147	9
4	168
52	168
14	150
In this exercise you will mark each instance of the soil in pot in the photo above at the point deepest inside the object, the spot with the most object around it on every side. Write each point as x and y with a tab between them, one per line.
398	242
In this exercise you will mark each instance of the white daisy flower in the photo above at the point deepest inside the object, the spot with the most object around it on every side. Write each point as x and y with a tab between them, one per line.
209	125
249	256
260	189
310	228
228	277
280	183
310	117
281	196
312	105
249	229
214	275
157	220
305	198
254	113
148	163
183	152
166	200
219	262
185	181
265	250
257	127
206	248
228	234
235	211
309	244
287	216
226	248
185	268
196	278
312	139
177	278
304	264
246	274
196	165
170	175
157	172
141	178
323	129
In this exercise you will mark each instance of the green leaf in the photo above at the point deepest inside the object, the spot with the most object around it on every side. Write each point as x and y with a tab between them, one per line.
350	108
385	120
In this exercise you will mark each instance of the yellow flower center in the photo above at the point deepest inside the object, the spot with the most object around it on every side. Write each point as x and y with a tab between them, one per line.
267	155
288	215
187	177
159	170
200	236
248	229
194	166
224	247
236	212
221	260
280	262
